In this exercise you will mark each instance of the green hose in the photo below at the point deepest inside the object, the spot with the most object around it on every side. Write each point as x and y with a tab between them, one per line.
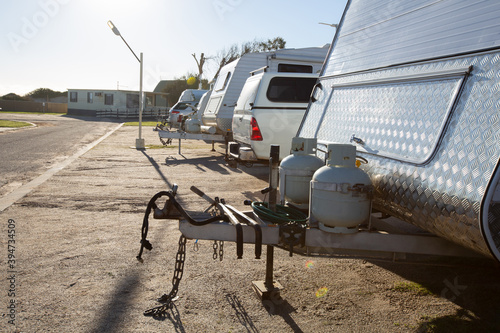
283	214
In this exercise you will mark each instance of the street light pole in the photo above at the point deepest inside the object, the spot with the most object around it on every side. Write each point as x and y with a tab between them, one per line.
139	142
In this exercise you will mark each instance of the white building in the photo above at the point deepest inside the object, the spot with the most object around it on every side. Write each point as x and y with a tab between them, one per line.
114	103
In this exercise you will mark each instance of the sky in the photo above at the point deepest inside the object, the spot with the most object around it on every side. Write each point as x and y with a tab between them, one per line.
67	44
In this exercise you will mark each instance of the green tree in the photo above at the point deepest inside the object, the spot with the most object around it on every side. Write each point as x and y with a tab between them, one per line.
13	97
44	93
178	85
272	44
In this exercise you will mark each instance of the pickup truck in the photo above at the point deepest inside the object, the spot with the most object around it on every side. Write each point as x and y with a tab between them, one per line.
269	111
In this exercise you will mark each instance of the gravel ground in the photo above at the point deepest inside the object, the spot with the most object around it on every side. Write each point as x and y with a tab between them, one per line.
77	236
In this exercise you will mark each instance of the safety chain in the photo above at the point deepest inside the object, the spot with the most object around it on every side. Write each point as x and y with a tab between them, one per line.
220	247
178	271
166	142
221	250
214	256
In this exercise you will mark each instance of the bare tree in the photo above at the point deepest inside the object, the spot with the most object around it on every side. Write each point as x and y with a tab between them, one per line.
225	56
200	64
236	51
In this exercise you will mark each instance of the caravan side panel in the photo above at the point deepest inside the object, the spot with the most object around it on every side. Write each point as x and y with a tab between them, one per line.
427	113
227	88
376	34
247	63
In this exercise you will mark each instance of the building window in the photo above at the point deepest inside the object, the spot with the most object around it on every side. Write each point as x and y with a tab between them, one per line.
73	96
90	97
108	99
132	101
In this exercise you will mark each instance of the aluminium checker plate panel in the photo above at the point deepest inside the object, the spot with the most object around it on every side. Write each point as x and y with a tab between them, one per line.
432	141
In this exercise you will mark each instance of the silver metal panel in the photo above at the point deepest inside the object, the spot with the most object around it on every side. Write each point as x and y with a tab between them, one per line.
224	124
445	195
403	120
418	30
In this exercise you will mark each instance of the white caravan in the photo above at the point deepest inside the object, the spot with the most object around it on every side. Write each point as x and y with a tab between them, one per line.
186	105
414	85
232	77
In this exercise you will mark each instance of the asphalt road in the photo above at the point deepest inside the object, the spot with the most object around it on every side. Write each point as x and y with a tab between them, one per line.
28	152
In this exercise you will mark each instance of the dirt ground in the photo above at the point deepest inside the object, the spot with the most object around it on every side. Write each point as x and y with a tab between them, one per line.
77	236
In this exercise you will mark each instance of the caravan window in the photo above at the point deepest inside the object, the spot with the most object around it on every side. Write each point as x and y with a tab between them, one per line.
221	85
290	90
73	96
90	97
290	68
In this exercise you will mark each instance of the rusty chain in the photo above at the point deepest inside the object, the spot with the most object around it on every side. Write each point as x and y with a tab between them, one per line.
178	272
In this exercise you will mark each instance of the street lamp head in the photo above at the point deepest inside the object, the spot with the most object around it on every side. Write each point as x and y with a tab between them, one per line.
115	30
331	25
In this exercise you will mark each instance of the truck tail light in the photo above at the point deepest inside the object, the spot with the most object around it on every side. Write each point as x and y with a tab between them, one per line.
256	134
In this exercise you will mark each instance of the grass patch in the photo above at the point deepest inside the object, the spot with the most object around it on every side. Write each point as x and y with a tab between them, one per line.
158	146
144	123
364	292
14	124
412	287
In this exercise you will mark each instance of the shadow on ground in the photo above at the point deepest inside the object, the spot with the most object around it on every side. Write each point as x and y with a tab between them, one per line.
472	284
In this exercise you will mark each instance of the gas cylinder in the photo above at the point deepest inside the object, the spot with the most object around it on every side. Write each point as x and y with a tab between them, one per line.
296	171
340	192
192	125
